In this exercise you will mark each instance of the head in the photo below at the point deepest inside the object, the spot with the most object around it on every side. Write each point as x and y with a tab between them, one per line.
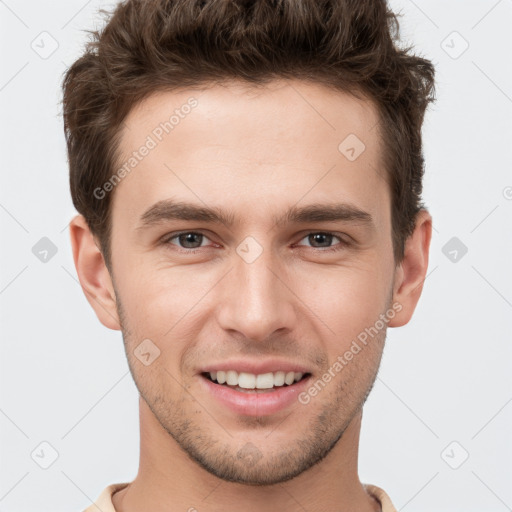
248	178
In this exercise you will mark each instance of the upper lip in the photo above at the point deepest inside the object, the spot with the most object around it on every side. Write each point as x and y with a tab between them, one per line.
256	367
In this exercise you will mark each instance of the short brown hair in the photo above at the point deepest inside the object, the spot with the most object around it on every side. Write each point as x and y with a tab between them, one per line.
155	45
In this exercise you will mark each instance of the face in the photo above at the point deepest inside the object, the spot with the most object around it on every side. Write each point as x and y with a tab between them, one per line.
293	268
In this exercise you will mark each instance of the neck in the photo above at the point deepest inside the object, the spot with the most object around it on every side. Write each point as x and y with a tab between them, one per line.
168	480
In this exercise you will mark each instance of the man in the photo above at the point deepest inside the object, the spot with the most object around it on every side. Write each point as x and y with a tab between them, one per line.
248	177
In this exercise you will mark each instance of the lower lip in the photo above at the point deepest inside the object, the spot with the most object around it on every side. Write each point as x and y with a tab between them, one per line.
255	403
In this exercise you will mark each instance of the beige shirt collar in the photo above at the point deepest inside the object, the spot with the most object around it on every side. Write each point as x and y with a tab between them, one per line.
104	501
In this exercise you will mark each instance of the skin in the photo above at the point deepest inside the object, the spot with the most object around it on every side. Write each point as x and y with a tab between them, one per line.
255	153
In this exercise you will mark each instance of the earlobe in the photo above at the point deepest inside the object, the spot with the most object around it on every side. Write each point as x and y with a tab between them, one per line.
412	271
93	274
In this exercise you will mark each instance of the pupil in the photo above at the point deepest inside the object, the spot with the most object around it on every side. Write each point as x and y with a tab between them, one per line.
316	235
188	238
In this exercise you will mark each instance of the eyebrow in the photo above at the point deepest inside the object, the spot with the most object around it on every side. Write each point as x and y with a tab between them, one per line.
168	209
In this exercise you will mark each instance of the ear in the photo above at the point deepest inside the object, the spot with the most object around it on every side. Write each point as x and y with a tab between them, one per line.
410	274
93	273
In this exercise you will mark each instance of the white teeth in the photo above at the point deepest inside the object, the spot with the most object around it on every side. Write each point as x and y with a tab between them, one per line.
246	380
279	378
252	381
265	381
290	377
231	378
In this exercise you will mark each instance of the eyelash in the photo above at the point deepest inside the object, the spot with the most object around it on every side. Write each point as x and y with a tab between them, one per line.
342	245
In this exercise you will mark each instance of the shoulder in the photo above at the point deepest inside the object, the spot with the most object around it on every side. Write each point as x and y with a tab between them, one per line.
381	496
104	500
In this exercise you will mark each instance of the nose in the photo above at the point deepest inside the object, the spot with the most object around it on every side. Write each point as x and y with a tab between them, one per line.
257	299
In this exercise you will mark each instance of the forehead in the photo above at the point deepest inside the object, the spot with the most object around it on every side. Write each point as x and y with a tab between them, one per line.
236	144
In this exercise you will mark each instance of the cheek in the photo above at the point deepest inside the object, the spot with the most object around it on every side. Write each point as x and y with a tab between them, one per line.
347	299
164	305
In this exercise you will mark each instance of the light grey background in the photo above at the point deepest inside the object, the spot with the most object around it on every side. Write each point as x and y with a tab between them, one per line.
445	377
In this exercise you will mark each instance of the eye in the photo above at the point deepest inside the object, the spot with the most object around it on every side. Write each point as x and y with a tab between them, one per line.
325	237
189	240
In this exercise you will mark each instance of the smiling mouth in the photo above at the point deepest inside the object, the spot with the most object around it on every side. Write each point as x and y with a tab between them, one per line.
251	383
